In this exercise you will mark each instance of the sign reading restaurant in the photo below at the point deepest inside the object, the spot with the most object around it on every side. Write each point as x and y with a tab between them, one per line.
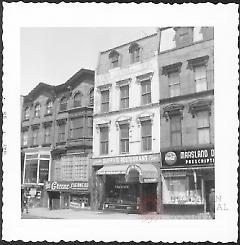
188	158
65	186
127	159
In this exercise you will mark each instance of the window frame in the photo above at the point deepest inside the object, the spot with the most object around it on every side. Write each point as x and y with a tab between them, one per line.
176	131
60	133
80	127
196	80
103	102
77	102
47	129
63	106
35	134
203	128
148	94
171	85
27	113
104	141
37	110
146	136
124	99
124	140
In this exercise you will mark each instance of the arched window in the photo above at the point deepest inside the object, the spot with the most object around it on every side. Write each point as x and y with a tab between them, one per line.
63	104
134	51
49	107
37	110
26	113
114	58
91	97
77	100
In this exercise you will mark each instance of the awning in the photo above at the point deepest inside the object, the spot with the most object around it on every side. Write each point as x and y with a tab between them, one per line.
113	169
146	173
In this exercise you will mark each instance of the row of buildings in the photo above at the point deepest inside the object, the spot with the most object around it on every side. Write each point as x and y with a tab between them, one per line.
135	135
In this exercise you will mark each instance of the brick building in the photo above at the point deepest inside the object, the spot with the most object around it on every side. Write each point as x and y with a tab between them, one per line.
126	156
57	140
186	62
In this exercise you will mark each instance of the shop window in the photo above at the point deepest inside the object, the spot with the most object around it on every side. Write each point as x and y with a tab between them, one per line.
203	127
61	132
134	51
91	97
90	127
31	167
47	134
176	130
77	127
200	78
27	113
77	100
124	94
104	137
37	110
146	127
114	58
49	106
25	138
35	136
105	100
146	92
63	104
124	138
174	84
43	170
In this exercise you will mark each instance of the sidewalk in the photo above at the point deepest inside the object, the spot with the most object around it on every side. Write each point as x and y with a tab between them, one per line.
44	213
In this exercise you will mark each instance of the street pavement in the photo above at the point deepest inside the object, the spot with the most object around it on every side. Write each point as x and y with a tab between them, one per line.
44	213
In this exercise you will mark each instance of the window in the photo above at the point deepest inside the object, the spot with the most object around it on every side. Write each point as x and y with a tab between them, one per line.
37	110
25	138
104	140
146	92
124	138
174	84
91	97
47	133
176	132
77	100
63	104
43	170
114	58
26	113
105	101
31	167
35	137
146	135
49	107
61	132
200	78
203	127
197	34
90	127
134	51
76	130
115	61
124	94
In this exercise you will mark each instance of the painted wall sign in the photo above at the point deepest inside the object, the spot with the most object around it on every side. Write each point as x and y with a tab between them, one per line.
188	158
64	186
127	159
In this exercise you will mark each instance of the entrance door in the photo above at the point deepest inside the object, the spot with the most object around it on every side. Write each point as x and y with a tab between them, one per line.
54	198
208	185
149	197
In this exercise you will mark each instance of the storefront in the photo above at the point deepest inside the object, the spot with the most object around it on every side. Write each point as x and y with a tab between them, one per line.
187	177
128	184
65	194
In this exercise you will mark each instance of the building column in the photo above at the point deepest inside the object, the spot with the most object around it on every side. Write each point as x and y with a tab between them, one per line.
159	197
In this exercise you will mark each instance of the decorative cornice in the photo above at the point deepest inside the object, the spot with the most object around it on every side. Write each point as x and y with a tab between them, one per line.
122	120
123	82
145	116
200	105
47	124
173	110
176	67
35	126
144	77
103	124
199	61
61	121
104	87
25	128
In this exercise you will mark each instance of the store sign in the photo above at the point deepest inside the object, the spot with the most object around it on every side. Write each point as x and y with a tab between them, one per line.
127	159
65	186
188	158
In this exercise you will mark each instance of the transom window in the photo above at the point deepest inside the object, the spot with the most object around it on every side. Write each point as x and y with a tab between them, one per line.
77	100
104	137
200	78
124	138
174	84
63	104
146	92
176	130
37	110
146	128
124	94
105	100
49	107
203	127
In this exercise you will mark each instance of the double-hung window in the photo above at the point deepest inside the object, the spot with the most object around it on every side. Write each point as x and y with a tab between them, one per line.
176	130
61	132
63	104
49	107
146	92
200	78
105	100
35	137
124	94
47	133
203	127
25	138
37	110
76	129
26	113
124	138
77	100
174	84
146	128
104	137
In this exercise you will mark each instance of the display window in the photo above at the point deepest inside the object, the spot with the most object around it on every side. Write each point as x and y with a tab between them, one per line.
77	200
182	190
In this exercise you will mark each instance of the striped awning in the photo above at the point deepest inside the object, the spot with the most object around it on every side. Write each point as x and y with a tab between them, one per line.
113	169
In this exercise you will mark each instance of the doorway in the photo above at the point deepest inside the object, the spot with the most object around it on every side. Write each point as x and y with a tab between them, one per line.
149	197
208	185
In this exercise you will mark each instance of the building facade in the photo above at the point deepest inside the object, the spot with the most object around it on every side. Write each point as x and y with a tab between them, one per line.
44	140
186	62
126	129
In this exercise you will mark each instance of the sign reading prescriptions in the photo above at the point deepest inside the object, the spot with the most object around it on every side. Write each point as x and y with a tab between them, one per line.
127	159
188	158
64	186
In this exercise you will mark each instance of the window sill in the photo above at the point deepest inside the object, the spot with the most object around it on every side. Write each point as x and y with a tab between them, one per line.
48	114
